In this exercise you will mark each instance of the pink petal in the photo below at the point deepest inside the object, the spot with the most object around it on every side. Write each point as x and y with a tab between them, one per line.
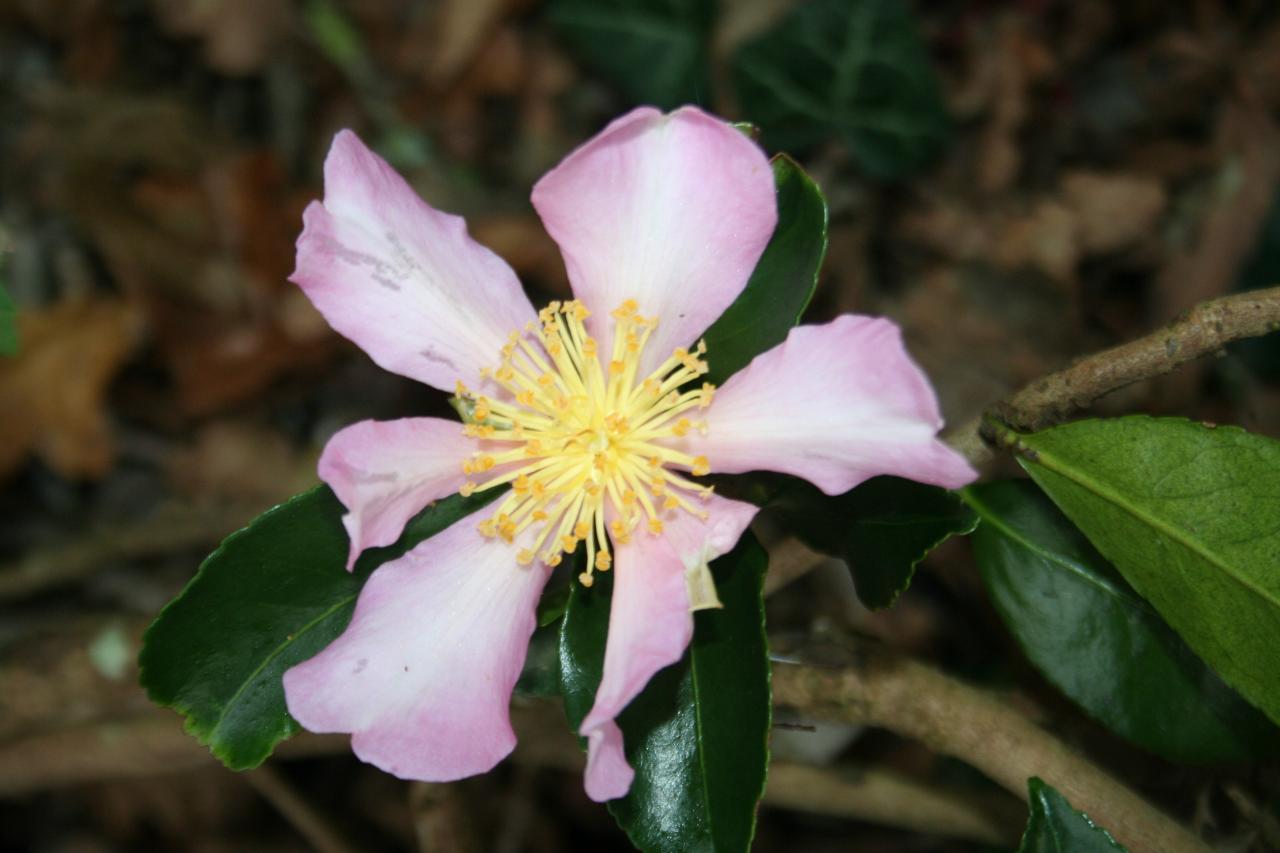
401	279
672	211
835	404
649	626
422	677
385	472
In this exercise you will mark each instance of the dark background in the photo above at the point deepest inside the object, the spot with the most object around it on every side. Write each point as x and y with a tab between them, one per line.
1076	173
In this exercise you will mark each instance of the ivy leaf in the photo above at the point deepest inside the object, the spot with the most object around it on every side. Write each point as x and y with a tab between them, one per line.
882	528
1055	827
1190	515
855	70
1094	638
697	735
654	51
272	595
783	281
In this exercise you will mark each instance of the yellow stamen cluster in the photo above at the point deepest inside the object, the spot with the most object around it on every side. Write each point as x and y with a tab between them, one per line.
575	430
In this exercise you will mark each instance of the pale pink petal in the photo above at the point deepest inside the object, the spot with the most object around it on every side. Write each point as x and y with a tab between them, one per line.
650	625
835	404
385	472
672	211
400	278
422	677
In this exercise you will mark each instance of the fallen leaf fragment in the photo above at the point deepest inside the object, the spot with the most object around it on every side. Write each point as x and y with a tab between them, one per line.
53	394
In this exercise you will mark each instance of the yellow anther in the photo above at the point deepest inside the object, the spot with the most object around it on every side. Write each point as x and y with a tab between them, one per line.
701	467
467	489
705	394
586	580
586	433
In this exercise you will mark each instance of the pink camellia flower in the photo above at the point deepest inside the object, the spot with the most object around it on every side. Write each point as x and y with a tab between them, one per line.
590	411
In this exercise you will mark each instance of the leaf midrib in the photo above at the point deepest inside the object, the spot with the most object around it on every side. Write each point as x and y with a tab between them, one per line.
1050	462
988	516
276	652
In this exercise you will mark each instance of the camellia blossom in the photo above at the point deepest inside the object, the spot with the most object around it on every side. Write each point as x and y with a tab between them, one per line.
591	413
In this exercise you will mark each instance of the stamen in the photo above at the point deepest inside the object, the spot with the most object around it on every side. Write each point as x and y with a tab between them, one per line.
581	433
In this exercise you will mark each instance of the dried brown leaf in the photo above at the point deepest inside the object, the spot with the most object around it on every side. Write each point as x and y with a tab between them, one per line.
53	394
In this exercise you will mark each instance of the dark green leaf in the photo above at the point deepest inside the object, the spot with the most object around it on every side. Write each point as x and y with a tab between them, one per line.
698	734
1190	515
1055	827
882	528
654	51
272	595
854	69
8	319
541	673
783	281
1098	641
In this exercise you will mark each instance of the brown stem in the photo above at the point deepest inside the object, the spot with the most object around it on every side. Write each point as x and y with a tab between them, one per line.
883	689
1205	329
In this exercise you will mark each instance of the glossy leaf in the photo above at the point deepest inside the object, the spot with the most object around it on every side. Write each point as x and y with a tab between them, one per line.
882	528
272	595
697	735
853	69
654	51
1098	641
1190	515
1055	827
783	281
8	318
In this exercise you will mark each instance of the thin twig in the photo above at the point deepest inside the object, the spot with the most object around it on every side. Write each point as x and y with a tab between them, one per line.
1204	330
883	689
894	800
317	829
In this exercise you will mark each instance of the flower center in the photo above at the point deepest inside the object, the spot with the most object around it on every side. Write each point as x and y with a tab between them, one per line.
583	442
